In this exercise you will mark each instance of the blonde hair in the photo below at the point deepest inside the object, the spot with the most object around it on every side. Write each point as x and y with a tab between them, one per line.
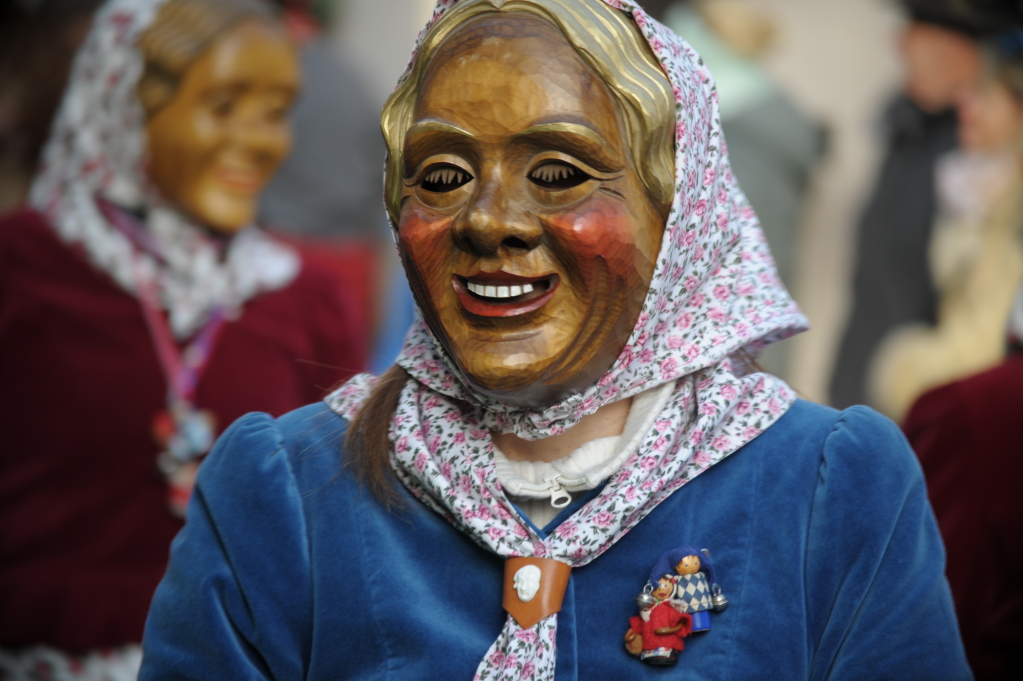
607	41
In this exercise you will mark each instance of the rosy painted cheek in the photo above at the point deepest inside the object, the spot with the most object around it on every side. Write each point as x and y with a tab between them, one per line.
600	230
422	235
425	240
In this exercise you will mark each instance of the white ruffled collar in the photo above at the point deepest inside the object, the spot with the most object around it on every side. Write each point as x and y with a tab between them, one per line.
191	270
590	464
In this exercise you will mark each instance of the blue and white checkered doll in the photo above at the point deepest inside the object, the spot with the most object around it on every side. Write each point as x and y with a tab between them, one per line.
696	589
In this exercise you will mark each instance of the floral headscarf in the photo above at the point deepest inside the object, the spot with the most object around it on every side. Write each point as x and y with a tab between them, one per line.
714	293
97	150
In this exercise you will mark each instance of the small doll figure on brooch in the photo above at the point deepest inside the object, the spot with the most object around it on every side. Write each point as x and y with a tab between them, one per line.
696	590
656	634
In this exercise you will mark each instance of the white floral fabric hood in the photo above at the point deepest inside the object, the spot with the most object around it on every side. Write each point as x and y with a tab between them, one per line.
715	294
97	150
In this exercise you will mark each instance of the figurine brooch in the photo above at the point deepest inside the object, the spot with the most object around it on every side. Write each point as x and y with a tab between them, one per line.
676	602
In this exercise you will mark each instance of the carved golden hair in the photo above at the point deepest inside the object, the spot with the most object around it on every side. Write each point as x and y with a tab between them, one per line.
180	33
607	41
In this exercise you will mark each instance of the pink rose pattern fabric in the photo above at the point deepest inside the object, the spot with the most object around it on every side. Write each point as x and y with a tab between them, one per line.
97	147
715	292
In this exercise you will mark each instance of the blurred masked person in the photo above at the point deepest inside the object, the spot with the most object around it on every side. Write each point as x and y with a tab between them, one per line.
140	314
892	284
976	258
967	437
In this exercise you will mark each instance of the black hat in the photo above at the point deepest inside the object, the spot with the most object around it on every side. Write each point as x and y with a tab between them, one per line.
656	8
977	18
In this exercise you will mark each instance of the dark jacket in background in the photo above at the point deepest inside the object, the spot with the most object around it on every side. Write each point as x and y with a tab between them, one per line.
892	283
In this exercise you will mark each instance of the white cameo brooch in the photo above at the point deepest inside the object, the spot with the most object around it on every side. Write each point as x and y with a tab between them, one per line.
527	582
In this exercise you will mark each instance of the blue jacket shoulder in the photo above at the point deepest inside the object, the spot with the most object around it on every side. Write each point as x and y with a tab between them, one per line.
307	441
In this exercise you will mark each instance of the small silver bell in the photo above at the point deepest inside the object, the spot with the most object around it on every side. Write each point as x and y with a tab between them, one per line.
719	601
646	600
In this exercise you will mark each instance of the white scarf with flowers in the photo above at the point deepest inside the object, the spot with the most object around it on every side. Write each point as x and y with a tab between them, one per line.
97	148
714	293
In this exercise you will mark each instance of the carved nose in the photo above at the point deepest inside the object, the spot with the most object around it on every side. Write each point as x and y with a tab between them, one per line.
493	227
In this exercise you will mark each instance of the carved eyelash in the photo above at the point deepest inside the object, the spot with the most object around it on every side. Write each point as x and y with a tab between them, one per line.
446	175
552	172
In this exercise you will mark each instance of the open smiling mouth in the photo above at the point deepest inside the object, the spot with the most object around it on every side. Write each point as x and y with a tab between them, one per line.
240	179
504	295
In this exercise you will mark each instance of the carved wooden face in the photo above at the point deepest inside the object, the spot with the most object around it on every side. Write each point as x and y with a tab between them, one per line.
217	142
689	565
528	237
664	589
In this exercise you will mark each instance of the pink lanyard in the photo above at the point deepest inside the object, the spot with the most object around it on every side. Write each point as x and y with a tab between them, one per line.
184	432
182	370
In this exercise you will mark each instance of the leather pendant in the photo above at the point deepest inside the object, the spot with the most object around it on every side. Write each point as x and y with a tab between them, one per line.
534	588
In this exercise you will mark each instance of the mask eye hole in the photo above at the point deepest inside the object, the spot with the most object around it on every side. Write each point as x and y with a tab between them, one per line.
444	177
557	176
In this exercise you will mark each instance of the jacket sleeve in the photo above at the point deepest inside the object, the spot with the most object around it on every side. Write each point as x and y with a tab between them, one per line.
236	600
878	599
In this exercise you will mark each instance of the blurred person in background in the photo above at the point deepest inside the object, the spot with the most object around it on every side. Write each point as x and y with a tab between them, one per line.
966	434
892	283
772	144
975	254
140	314
317	201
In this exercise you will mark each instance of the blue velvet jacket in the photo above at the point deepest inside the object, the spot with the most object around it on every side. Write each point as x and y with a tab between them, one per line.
820	530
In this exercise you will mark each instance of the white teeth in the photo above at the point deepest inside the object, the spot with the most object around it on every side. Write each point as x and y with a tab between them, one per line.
498	291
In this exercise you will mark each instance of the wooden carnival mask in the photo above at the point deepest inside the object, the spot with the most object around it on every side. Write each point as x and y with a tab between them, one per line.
219	138
527	234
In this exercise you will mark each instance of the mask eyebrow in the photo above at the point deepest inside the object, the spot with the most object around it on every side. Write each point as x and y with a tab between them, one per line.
435	126
575	138
424	137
